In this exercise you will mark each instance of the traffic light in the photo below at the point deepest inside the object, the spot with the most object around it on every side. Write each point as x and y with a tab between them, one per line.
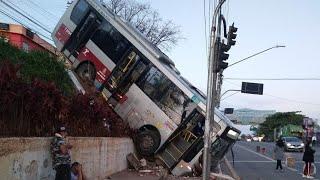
232	35
222	56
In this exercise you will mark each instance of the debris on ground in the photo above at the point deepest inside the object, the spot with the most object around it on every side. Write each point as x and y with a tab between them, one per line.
134	161
145	168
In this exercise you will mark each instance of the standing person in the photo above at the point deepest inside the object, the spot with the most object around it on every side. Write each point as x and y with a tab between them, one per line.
60	151
279	153
308	158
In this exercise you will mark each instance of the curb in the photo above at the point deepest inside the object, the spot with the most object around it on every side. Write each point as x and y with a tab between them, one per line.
231	169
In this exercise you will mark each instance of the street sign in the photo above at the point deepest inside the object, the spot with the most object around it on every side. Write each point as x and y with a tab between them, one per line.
228	110
252	88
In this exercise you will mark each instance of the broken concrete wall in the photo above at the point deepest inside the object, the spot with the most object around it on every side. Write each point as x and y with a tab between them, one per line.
29	158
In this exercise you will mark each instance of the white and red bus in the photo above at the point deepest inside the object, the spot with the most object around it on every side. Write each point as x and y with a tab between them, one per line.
140	82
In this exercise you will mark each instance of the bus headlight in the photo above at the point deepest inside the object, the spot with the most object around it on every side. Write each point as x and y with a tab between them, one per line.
232	134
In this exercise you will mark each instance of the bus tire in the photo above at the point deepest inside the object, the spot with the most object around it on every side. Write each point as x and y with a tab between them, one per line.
86	72
147	142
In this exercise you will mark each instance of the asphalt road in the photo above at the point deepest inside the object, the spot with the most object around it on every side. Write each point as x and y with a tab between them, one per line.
251	165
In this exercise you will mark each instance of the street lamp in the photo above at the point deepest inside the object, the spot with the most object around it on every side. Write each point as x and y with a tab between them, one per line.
276	46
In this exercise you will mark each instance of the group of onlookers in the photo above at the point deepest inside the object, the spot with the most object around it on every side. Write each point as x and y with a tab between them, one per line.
308	157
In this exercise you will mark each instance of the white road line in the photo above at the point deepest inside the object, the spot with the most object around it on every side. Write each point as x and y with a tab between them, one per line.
252	161
304	162
304	178
292	169
261	155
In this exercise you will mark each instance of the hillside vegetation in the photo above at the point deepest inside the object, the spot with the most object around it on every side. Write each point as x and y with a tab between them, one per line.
37	65
33	100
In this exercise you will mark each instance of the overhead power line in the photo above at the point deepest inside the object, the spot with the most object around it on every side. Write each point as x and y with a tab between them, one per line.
27	14
31	20
281	98
18	21
47	12
275	79
292	100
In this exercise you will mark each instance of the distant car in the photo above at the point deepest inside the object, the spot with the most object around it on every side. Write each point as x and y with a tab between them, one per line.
293	144
255	139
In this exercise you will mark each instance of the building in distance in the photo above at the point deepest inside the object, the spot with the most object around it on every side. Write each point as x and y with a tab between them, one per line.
251	116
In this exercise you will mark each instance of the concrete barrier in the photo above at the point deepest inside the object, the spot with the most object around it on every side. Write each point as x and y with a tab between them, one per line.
29	158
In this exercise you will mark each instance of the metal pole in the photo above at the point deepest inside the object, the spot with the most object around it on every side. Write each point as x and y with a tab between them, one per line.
277	46
229	91
212	75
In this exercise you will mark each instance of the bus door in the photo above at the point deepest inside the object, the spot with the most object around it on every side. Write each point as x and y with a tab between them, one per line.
222	144
183	141
82	34
126	72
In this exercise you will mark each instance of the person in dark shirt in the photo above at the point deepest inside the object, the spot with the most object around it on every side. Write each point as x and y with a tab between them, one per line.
308	158
60	151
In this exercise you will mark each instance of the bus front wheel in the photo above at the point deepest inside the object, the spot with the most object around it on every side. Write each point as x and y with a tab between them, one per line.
147	142
86	72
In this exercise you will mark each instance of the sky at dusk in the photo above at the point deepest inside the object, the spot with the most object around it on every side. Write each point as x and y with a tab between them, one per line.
261	25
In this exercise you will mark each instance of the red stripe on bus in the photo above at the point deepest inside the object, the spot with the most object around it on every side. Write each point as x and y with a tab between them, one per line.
124	98
63	34
102	72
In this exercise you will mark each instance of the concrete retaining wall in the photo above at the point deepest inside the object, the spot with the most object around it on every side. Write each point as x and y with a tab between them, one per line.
29	158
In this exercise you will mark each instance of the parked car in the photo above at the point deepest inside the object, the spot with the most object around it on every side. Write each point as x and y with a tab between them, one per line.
292	144
256	139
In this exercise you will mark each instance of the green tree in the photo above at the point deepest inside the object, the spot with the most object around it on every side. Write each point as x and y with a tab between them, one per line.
37	65
277	120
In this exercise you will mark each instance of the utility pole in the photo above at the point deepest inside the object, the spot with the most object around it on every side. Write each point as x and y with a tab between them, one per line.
211	93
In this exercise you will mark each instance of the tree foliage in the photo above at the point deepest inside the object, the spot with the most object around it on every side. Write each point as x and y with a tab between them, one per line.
162	33
278	120
36	108
37	65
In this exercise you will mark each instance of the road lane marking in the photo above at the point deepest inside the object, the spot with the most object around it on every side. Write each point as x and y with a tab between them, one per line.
304	178
264	156
261	155
252	161
292	169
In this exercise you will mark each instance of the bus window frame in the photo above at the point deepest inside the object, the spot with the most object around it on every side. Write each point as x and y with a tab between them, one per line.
160	101
75	9
103	42
128	72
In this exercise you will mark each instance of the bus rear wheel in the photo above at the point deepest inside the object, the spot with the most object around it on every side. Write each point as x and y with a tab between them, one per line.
86	72
147	142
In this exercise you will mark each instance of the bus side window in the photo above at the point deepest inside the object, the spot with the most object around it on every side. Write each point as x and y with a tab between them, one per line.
166	95
79	11
173	102
111	42
154	84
